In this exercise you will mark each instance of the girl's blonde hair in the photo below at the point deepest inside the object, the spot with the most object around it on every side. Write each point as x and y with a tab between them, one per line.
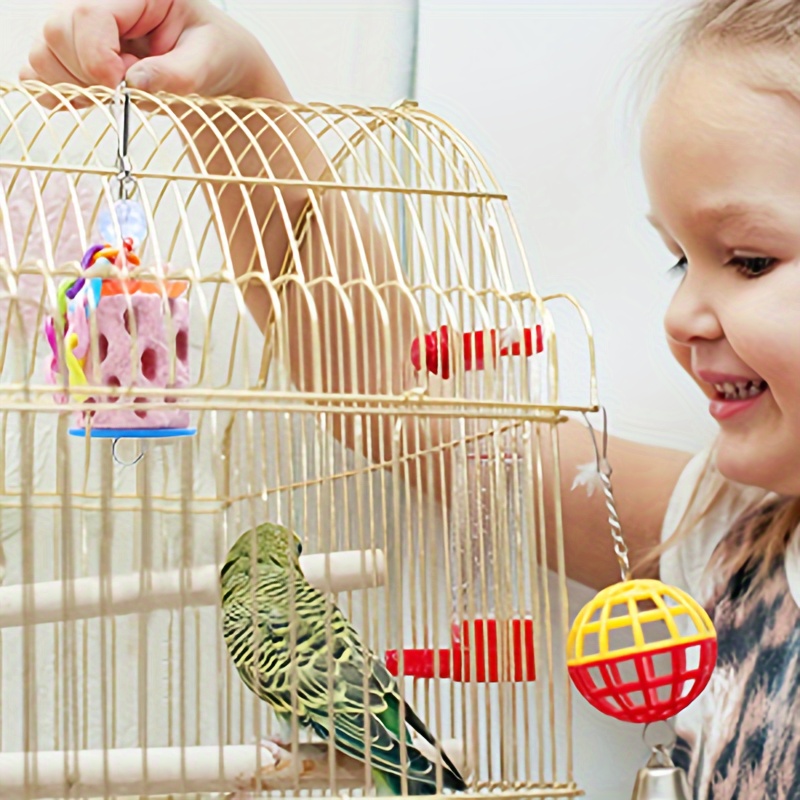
768	522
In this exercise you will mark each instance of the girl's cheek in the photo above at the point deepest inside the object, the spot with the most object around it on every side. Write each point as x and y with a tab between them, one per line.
774	326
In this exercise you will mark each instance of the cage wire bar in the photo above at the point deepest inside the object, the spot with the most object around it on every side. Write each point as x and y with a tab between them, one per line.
424	499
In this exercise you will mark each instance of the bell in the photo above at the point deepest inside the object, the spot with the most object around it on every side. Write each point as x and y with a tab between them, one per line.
660	779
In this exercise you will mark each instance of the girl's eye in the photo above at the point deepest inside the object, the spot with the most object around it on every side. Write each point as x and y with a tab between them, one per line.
680	266
752	266
749	266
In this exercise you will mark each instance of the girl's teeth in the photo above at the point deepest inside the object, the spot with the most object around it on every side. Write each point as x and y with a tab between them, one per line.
741	389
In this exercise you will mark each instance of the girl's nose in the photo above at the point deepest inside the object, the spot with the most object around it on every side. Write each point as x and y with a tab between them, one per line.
691	316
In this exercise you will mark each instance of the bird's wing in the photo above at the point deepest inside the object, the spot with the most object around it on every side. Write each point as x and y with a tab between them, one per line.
365	705
258	647
393	701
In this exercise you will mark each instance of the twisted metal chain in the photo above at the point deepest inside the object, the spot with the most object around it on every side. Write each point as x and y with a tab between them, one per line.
604	472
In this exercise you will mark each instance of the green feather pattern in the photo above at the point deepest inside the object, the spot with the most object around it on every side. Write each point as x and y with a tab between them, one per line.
266	601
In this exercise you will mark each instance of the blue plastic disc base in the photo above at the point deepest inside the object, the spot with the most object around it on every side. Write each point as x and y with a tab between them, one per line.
133	433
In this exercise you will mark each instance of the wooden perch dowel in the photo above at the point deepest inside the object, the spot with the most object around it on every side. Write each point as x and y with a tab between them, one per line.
83	598
175	770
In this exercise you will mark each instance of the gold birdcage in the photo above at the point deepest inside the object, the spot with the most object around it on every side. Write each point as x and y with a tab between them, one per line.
388	388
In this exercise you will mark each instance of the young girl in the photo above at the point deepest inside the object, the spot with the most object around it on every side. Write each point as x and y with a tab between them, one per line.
721	158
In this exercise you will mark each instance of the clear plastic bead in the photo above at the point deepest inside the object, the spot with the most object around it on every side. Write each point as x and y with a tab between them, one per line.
130	218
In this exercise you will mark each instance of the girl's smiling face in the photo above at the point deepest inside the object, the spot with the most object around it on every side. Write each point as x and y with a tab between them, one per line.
721	159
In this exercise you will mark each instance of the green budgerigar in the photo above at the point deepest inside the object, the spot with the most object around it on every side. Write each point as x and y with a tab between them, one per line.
260	577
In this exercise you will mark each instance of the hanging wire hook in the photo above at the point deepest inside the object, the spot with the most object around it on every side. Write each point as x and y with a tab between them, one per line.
122	106
604	472
126	463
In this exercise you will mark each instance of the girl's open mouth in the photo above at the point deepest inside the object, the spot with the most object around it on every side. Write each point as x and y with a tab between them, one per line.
733	398
741	390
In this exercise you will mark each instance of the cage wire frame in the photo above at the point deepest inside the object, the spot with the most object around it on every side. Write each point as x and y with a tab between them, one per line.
109	566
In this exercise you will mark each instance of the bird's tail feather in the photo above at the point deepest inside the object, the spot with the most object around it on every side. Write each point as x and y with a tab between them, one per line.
387	784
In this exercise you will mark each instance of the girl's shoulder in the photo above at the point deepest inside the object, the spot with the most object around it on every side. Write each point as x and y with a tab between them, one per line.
702	510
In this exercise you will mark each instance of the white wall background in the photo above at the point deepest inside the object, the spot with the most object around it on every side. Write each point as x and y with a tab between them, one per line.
537	86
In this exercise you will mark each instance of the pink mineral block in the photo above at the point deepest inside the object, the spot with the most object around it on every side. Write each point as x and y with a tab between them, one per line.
154	354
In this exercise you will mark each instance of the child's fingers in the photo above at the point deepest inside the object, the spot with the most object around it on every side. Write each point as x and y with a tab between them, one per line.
177	62
180	71
138	18
48	66
102	30
148	72
163	33
176	46
57	36
96	45
45	67
128	60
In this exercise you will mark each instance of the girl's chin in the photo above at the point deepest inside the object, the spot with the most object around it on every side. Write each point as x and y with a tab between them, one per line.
755	464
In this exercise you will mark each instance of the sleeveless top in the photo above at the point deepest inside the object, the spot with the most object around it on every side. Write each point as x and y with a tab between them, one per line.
741	737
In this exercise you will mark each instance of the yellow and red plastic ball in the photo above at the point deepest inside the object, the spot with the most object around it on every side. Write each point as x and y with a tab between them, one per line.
667	660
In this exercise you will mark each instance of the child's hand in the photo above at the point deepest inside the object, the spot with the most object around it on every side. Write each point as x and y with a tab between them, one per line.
183	46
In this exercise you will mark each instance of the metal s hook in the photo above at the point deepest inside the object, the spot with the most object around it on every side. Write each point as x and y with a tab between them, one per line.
122	107
604	473
126	463
125	218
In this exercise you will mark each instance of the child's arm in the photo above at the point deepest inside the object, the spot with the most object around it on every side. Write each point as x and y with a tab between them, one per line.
643	478
194	48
